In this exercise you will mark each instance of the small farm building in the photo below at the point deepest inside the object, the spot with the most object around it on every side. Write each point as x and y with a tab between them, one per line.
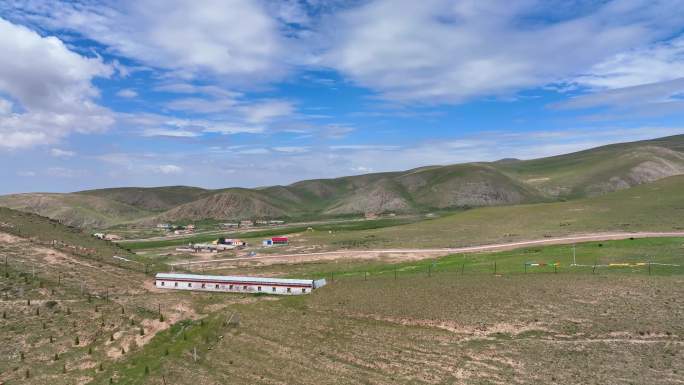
280	240
234	284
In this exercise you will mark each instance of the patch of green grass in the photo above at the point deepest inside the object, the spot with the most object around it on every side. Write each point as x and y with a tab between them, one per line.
652	207
336	227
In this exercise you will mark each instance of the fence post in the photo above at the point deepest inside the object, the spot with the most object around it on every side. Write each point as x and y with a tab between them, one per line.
525	264
494	267
365	276
462	267
649	267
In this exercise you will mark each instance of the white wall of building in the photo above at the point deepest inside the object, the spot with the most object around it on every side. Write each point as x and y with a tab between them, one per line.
232	287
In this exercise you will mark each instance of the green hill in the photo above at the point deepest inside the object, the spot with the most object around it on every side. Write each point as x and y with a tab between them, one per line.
151	198
578	175
75	209
657	206
603	169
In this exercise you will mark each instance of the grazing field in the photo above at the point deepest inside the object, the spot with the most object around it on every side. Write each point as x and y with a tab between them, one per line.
256	235
656	206
472	329
661	252
75	319
652	207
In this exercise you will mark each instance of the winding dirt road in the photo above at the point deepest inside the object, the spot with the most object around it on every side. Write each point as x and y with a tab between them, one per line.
424	253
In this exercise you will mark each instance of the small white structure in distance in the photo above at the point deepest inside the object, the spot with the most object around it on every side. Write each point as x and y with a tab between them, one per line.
234	284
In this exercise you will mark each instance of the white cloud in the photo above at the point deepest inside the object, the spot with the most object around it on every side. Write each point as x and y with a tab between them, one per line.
59	153
656	63
362	169
266	111
365	147
171	133
444	51
5	106
52	86
187	88
26	173
201	105
253	151
61	172
230	129
292	149
168	169
127	93
654	97
170	126
230	38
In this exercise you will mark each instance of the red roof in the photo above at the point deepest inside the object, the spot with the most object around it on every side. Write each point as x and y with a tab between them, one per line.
279	239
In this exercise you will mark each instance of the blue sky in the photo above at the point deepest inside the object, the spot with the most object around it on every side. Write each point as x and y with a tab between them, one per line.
254	92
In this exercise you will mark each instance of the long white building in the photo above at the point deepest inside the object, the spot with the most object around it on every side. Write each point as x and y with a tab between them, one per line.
234	284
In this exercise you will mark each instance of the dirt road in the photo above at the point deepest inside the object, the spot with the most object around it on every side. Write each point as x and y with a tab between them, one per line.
424	253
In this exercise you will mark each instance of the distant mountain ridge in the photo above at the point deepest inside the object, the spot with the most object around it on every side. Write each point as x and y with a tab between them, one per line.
505	182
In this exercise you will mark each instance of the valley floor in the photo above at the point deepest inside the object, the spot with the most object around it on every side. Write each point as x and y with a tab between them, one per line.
438	321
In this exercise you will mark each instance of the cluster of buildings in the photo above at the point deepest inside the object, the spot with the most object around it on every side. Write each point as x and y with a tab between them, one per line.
275	241
177	230
107	237
250	223
217	246
235	284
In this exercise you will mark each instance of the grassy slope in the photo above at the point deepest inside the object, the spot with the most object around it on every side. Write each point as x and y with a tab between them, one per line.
445	327
448	327
589	172
151	199
72	240
651	207
75	209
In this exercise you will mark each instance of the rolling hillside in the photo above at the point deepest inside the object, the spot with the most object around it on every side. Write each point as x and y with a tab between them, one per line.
588	173
657	206
75	209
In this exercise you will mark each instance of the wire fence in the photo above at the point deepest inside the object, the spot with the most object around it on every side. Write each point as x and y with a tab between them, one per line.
494	268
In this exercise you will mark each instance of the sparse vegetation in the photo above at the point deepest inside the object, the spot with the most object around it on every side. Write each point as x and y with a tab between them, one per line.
73	314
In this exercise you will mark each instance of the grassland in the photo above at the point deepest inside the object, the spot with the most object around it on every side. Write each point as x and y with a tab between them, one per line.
443	326
439	321
257	235
651	207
